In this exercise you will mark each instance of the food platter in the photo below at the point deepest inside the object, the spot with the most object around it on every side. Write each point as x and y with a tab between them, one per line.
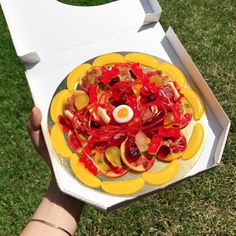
127	123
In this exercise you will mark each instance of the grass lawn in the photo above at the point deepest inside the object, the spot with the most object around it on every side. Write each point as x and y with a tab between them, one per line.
203	205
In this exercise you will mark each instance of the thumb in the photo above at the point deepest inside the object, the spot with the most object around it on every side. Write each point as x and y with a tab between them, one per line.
34	123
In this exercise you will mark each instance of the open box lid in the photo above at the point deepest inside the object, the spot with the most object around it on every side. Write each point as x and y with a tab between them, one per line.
45	28
52	38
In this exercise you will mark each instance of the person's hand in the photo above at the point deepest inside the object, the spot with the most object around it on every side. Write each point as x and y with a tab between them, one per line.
36	135
56	208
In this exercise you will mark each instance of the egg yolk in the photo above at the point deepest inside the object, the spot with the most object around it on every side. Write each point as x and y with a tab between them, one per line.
123	113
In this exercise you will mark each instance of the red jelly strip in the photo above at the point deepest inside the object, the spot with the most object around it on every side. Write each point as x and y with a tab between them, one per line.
65	122
169	132
176	113
92	93
156	142
73	141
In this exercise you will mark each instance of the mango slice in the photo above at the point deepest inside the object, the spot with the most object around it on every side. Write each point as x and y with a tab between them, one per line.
82	173
108	59
174	72
59	142
76	75
57	104
123	187
194	143
143	59
195	101
163	176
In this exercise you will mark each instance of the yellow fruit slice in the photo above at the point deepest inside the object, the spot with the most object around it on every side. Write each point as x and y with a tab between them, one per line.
163	176
108	59
76	75
195	101
83	174
171	157
194	143
143	59
59	142
113	156
123	187
174	72
81	99
57	104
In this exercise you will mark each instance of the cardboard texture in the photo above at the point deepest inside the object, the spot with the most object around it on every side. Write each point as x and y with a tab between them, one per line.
52	38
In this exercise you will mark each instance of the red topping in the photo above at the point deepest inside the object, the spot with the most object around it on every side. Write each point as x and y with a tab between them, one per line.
108	74
163	151
65	122
168	132
138	72
88	164
131	150
92	89
114	85
73	141
176	112
156	142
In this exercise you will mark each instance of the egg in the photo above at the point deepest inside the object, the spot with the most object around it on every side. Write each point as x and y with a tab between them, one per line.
123	114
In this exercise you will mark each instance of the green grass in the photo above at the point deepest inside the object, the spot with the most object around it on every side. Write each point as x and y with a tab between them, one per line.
203	205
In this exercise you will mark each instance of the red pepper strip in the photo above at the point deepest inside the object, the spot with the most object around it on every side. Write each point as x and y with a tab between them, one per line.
114	72
138	72
169	132
88	164
87	149
132	102
156	142
107	75
65	122
92	93
152	86
73	141
176	112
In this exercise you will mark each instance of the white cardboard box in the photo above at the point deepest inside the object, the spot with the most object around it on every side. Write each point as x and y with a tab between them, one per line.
52	38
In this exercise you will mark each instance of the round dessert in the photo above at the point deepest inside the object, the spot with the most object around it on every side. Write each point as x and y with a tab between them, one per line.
126	122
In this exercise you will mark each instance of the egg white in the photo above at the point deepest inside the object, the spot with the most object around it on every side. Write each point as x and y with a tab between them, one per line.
125	119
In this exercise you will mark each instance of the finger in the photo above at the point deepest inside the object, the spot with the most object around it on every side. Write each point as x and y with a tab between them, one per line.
35	120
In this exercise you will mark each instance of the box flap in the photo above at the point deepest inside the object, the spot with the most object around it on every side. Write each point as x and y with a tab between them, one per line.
220	117
48	27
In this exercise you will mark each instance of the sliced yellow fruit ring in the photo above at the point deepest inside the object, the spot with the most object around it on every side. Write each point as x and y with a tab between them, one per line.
59	142
144	163
76	75
57	104
171	157
163	176
195	101
81	99
143	59
82	173
108	59
123	187
194	143
174	73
